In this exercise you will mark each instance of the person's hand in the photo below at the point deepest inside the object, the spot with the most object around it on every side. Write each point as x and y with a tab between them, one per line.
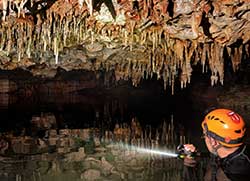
190	147
188	160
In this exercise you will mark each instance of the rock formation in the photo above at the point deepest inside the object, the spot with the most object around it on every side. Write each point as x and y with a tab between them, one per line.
130	37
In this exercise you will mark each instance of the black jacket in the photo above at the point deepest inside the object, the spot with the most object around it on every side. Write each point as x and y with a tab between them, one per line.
236	166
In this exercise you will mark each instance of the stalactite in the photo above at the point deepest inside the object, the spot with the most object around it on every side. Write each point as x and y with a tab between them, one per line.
229	50
5	9
30	40
153	61
44	37
172	75
9	39
132	26
179	51
56	48
90	6
82	31
92	36
65	32
168	49
20	40
236	58
204	56
80	3
186	65
220	63
214	77
165	78
20	6
145	9
247	49
160	33
154	40
3	38
216	63
49	35
159	62
172	86
143	37
75	32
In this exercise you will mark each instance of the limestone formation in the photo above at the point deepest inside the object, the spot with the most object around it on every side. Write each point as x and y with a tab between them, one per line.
151	36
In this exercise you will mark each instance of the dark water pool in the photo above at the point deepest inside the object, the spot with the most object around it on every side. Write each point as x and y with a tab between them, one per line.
65	130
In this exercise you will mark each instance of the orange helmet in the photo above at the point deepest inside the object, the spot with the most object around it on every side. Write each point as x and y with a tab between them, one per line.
225	126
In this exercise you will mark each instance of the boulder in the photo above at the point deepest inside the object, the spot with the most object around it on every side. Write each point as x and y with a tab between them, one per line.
91	175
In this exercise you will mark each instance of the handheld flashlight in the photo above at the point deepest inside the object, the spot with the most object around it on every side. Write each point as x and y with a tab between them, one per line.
182	152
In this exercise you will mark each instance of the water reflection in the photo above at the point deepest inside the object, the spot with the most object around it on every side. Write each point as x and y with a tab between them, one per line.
80	104
85	154
72	130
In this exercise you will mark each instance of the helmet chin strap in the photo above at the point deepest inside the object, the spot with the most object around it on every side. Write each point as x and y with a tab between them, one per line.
215	149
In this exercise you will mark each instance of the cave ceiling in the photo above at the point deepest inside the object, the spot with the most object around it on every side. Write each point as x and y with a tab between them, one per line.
132	38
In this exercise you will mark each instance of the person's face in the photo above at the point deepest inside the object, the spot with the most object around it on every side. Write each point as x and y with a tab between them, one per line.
210	143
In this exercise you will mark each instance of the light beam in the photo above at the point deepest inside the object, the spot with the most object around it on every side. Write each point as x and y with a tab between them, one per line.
150	151
157	152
